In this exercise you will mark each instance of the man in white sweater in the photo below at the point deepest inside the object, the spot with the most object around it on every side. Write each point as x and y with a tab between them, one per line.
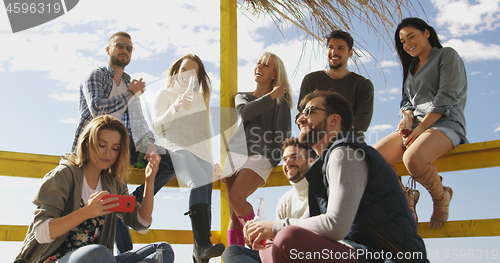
296	160
293	204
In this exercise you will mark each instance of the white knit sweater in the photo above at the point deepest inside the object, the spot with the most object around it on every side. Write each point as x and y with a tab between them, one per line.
184	129
294	203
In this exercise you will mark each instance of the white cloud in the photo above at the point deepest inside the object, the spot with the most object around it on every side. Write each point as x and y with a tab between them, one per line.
461	17
386	98
474	73
67	54
389	63
390	91
364	57
471	50
146	77
70	121
498	128
380	127
65	96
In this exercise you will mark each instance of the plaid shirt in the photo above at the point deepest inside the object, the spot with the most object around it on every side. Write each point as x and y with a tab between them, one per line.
95	91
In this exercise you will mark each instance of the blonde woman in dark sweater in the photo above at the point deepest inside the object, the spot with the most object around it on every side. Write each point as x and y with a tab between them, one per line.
256	147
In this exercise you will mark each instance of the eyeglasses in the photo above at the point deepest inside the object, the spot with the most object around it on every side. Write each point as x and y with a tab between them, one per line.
121	46
307	111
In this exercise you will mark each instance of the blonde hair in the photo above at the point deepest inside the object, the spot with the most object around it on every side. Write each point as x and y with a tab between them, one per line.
282	77
88	144
203	78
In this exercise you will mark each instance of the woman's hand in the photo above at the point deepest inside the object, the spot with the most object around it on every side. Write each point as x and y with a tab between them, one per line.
427	121
93	208
183	99
277	92
152	167
401	125
96	207
413	136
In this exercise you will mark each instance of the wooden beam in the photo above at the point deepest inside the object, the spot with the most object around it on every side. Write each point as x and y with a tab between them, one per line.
465	157
17	233
228	89
463	228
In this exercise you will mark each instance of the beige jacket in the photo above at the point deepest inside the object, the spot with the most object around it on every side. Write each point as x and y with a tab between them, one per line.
59	195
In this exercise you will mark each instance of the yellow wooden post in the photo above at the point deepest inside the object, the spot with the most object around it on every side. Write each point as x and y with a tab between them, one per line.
228	89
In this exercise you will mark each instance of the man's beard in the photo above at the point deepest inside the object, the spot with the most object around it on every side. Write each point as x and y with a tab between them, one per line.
300	172
339	65
116	61
314	135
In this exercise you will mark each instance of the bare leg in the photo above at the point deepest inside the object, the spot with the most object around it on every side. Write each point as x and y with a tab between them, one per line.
418	159
244	184
391	147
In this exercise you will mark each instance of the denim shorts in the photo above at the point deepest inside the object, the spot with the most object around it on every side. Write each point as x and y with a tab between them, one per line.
451	134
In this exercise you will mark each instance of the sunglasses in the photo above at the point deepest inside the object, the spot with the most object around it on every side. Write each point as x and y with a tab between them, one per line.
121	46
307	112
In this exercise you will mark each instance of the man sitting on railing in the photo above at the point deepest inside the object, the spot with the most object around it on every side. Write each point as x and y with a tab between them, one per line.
293	204
109	90
358	211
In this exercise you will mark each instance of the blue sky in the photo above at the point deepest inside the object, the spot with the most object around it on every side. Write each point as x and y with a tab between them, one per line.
41	69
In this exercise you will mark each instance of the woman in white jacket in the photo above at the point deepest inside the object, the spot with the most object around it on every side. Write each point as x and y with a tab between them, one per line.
181	120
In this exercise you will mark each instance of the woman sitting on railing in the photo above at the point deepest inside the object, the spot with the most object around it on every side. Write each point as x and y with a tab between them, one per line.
256	146
181	120
434	95
72	222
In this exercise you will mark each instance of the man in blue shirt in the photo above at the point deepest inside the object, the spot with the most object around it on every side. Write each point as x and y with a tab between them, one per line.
109	90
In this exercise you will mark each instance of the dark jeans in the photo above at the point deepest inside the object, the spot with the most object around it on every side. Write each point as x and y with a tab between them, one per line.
165	174
240	254
99	253
193	171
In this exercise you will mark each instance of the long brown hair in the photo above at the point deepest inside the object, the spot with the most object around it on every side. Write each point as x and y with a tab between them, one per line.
88	145
203	78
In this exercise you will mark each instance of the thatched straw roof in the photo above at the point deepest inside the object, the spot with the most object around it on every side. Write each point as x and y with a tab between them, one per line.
319	17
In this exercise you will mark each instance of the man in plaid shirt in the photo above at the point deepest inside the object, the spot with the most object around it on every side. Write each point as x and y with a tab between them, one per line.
108	90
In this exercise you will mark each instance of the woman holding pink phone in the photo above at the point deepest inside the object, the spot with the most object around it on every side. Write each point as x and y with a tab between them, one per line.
72	222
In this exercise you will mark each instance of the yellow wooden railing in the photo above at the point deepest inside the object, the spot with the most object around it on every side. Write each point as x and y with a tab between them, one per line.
464	157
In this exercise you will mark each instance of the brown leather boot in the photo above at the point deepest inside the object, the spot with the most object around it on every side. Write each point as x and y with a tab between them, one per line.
441	195
412	196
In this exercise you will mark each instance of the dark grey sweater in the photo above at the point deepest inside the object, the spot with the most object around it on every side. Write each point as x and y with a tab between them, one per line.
265	125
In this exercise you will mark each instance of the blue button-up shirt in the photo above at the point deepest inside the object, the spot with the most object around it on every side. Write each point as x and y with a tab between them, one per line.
95	101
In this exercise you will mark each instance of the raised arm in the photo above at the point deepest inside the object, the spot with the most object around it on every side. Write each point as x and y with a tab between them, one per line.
163	111
249	110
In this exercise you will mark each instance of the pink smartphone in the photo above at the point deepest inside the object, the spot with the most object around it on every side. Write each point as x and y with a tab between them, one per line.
126	203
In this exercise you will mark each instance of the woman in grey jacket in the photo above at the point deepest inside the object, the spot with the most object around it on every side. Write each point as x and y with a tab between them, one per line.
256	146
434	96
72	222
